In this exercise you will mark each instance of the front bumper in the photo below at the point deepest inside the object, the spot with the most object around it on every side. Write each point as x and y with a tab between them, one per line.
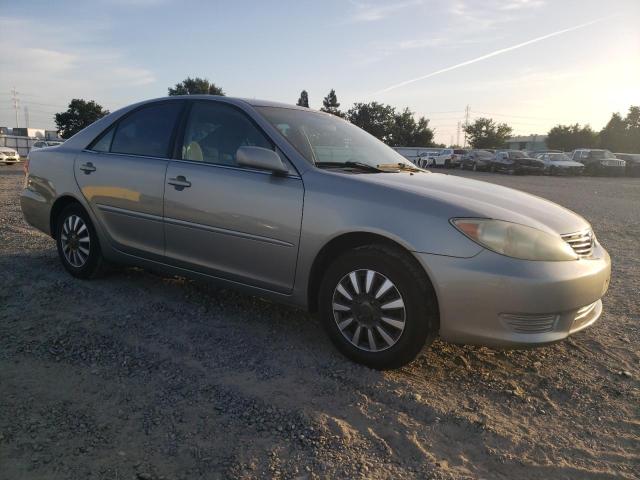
495	300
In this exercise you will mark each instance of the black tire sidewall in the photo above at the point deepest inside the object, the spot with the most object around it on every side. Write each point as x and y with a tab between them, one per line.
92	265
420	318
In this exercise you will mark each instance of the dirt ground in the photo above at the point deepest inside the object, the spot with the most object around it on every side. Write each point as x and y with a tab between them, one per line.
136	376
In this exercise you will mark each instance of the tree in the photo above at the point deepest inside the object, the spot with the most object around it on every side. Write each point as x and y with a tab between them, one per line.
303	101
622	134
614	135
79	115
406	132
376	118
633	128
395	129
330	104
195	86
570	137
486	133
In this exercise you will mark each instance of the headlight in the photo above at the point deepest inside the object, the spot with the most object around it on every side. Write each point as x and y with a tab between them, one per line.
515	240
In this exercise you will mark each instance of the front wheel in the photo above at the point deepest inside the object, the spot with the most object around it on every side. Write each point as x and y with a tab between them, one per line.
378	307
77	242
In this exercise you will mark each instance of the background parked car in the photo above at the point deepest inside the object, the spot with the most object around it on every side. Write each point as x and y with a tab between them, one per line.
476	160
560	164
598	161
428	157
633	163
456	159
8	156
46	143
515	162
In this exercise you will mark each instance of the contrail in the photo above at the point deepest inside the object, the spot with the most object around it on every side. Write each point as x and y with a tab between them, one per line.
489	55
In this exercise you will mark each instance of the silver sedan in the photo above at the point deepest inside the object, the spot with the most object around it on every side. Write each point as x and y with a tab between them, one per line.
303	207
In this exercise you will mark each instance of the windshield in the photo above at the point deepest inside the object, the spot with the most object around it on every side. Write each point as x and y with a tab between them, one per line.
558	157
517	155
483	154
602	154
323	138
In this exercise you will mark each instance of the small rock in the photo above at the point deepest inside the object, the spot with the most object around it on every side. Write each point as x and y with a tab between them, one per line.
626	373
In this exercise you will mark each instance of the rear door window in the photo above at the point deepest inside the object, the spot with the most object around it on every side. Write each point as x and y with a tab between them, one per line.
147	131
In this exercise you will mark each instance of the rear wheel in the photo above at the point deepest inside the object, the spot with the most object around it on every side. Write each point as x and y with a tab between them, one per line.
77	242
378	307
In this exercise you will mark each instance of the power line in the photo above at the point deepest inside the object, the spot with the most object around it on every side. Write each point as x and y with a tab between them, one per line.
515	116
16	103
467	112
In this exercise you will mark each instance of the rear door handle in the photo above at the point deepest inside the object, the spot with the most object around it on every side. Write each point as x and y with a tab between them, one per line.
87	168
180	182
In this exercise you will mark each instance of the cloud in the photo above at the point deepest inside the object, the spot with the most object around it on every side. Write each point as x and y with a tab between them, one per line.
487	56
369	12
40	55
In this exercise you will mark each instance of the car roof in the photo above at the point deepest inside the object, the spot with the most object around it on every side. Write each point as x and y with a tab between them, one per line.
254	102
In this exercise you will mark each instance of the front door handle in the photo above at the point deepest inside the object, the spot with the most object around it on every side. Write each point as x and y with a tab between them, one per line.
87	168
180	182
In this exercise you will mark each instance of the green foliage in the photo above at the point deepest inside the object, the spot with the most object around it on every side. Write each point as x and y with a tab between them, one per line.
486	133
570	137
394	128
195	86
406	132
79	115
331	105
622	134
303	101
375	118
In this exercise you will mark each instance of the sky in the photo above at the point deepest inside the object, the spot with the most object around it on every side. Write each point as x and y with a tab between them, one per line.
530	63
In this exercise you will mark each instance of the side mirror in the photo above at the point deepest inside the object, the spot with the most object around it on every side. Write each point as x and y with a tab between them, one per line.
261	158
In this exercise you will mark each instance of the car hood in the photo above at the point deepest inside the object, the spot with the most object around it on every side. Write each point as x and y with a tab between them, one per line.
7	150
565	163
455	196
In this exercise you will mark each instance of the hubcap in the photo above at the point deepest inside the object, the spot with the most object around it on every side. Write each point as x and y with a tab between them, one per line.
75	241
369	310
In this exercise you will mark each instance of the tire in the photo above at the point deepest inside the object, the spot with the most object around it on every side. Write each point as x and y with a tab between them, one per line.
475	167
398	339
492	168
77	242
447	163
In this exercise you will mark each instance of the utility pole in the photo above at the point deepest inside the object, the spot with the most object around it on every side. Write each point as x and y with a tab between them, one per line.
458	135
26	116
467	113
16	103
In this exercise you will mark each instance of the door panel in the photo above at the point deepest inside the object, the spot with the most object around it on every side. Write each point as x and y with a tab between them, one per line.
238	224
125	193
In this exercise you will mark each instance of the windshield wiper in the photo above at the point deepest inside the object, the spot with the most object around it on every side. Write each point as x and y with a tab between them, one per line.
360	165
400	166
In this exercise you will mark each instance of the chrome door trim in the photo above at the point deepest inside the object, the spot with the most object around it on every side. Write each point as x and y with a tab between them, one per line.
198	226
224	231
129	213
239	169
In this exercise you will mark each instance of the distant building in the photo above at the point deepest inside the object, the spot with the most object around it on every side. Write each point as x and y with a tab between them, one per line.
22	139
527	142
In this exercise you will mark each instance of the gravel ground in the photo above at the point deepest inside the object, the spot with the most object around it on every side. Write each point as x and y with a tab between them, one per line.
137	376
